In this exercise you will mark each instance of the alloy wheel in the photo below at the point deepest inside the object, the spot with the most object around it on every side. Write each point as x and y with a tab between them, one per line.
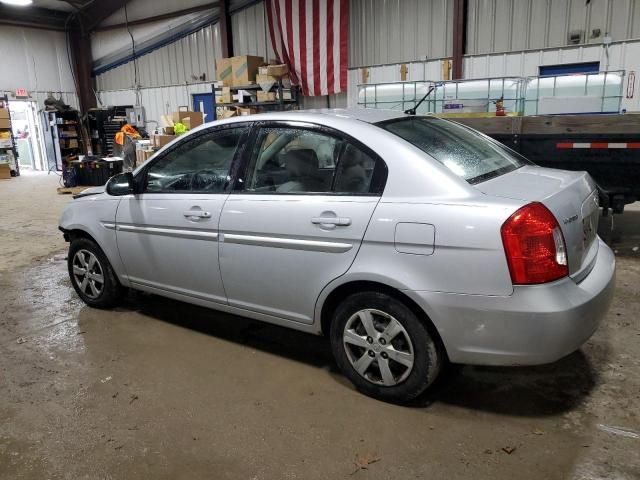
88	273
378	347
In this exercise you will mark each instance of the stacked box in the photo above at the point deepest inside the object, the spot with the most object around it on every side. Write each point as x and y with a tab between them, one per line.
224	71
245	69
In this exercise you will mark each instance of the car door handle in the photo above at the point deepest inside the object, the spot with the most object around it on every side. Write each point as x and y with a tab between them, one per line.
197	213
338	221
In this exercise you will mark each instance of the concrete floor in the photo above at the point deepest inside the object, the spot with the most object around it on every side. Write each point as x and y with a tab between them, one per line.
158	389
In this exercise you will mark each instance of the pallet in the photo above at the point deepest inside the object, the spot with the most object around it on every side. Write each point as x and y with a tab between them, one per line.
71	190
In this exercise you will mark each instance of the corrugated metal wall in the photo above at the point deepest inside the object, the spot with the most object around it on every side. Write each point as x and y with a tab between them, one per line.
511	25
178	62
390	31
35	60
250	33
139	9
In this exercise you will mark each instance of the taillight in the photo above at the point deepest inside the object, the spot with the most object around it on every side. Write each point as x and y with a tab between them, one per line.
534	245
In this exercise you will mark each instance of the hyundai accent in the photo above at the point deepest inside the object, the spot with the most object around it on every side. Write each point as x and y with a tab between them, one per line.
409	241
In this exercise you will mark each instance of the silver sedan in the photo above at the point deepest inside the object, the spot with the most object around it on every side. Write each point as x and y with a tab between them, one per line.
409	241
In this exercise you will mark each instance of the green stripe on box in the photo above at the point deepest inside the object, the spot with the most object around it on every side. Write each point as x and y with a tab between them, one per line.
241	70
226	72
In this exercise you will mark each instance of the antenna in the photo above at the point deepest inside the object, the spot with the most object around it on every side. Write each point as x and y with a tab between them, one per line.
412	111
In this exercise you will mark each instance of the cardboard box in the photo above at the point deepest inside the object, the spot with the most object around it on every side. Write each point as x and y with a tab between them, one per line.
168	131
224	71
265	78
266	96
4	113
277	70
142	156
160	141
245	69
189	122
5	170
242	111
224	95
72	143
226	112
196	118
5	123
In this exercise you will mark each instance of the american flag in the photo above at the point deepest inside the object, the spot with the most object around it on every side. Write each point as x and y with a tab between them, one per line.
311	36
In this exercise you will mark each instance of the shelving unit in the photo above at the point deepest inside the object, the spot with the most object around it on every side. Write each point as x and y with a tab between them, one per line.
8	146
103	124
279	104
65	139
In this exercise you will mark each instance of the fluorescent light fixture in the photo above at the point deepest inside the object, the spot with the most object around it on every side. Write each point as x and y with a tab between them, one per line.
18	3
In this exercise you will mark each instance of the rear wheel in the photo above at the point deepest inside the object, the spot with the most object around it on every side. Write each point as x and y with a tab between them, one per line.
383	347
92	276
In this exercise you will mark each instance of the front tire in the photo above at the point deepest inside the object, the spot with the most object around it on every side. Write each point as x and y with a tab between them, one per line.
91	274
384	349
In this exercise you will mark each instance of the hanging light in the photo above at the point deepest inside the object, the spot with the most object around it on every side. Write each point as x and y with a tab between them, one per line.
18	3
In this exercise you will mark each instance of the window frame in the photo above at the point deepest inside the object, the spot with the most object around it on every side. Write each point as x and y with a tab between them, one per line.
140	177
378	178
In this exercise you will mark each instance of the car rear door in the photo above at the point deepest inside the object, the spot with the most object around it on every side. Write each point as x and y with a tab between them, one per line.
296	218
168	235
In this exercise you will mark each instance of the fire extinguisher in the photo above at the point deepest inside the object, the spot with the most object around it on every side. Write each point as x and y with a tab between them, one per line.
500	107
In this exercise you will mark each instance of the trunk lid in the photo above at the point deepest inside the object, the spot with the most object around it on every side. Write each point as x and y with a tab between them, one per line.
572	197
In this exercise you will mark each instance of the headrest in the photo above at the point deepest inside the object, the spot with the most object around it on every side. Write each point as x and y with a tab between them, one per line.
304	160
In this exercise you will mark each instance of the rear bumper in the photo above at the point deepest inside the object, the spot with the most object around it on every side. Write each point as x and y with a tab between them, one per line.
535	325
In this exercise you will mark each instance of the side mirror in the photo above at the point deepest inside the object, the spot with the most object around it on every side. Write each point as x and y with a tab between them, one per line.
121	184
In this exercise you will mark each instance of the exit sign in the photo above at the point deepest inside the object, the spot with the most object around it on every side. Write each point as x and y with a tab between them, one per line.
21	92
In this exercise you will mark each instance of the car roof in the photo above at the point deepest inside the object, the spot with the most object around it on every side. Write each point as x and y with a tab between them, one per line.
368	115
324	115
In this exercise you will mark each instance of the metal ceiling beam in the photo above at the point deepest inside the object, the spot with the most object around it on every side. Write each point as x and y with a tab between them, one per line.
97	12
156	18
459	36
83	21
32	17
226	37
80	45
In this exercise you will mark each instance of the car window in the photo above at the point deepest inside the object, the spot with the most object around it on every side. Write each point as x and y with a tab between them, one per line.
198	165
296	160
466	153
355	171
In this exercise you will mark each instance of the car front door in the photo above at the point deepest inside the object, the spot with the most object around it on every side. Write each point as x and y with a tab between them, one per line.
167	235
296	217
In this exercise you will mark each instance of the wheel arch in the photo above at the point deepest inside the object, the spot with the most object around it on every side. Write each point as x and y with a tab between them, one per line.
73	232
342	291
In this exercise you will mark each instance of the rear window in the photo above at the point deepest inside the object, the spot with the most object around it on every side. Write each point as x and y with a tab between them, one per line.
469	155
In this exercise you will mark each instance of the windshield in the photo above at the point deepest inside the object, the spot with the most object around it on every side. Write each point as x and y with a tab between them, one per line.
466	153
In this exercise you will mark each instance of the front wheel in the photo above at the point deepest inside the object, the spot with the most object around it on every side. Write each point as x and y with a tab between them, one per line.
92	276
383	347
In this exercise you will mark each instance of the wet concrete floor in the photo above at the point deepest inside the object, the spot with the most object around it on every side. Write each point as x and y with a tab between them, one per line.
159	389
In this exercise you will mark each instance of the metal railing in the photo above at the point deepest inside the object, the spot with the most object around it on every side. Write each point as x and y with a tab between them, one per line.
606	88
520	95
404	95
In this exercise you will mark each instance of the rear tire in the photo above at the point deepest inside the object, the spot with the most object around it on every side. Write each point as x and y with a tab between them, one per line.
385	350
92	276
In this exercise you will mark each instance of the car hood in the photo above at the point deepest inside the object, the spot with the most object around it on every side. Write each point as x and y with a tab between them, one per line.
90	191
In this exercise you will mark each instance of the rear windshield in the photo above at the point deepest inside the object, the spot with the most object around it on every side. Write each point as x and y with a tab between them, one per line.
466	153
